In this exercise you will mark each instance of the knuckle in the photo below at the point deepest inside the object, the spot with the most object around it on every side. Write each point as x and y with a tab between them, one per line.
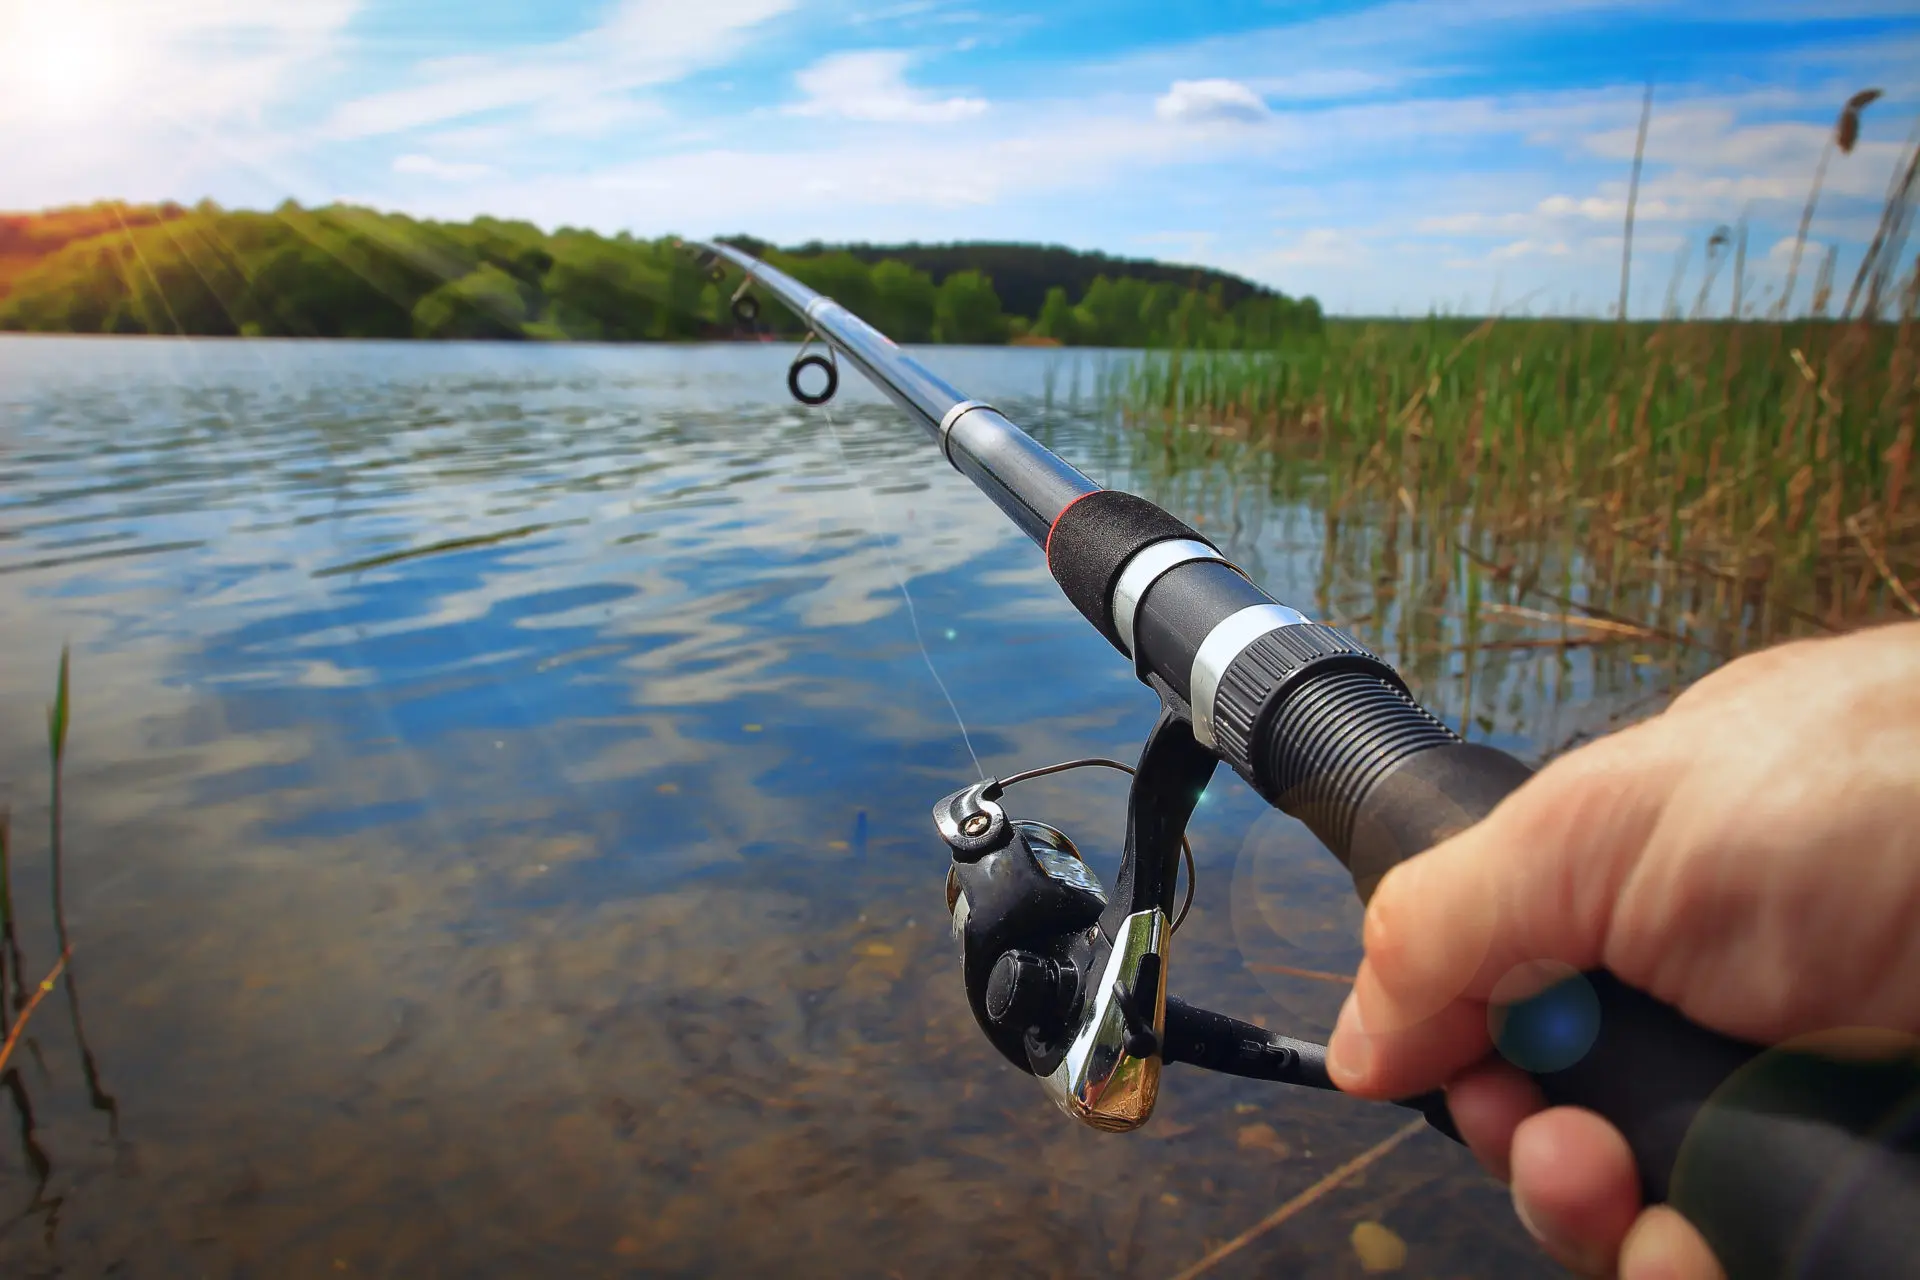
1382	930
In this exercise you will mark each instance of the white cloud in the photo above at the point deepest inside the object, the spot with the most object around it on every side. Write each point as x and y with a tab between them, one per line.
1474	224
1780	253
848	183
1612	209
1322	247
641	44
445	171
1206	101
1530	248
871	85
1176	245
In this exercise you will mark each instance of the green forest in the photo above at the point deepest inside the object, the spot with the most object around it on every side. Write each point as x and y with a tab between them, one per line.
348	272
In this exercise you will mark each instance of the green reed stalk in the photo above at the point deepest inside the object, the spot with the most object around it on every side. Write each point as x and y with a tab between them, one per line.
57	719
6	876
57	716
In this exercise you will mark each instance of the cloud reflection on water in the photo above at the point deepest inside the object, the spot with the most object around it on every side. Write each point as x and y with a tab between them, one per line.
565	904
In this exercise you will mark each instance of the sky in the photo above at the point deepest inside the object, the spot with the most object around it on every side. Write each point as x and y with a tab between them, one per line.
1387	158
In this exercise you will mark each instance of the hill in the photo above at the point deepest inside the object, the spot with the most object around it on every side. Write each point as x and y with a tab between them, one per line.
347	271
27	238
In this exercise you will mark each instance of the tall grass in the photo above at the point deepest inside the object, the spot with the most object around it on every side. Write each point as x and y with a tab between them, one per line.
1757	472
1771	459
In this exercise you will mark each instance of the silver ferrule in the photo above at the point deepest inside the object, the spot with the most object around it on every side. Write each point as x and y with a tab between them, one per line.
1098	1081
954	415
1143	571
1217	652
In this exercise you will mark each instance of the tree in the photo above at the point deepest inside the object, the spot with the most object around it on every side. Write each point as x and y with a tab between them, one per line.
840	276
966	309
602	291
487	303
1057	319
904	301
300	291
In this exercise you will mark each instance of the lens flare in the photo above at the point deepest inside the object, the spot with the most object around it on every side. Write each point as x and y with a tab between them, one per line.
60	63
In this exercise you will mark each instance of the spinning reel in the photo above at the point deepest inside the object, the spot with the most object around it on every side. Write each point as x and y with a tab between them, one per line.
1068	979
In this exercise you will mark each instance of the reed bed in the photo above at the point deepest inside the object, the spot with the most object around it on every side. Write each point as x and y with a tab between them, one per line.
1719	483
1756	472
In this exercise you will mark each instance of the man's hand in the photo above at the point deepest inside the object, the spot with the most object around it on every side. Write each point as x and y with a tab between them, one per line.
1751	856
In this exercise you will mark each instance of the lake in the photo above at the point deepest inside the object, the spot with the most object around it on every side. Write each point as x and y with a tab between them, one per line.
497	842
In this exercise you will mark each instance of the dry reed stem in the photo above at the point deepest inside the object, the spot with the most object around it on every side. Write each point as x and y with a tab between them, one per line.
1887	574
1898	457
1633	199
1596	611
1568	619
1344	979
1305	1199
1529	642
40	993
1874	271
1626	533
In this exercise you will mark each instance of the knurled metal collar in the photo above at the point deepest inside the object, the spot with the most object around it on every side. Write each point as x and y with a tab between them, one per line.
954	415
1142	571
1217	652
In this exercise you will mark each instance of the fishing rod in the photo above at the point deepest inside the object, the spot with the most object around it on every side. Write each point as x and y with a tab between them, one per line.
1786	1161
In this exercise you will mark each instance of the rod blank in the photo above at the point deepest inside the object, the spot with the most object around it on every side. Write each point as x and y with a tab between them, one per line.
1024	478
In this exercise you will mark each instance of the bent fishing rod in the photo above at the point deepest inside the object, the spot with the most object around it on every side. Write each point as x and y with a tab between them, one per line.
1788	1162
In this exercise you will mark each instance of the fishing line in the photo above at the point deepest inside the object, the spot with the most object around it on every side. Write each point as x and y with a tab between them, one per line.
900	581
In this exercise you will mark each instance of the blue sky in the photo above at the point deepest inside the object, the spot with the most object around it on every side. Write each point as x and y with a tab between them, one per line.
1382	156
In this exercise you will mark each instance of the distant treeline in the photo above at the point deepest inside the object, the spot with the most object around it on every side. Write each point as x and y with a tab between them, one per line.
1023	273
342	272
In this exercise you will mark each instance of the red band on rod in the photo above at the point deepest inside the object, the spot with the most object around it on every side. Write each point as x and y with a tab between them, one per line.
1048	549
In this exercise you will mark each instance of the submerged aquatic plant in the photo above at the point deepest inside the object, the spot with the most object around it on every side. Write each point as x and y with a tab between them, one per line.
25	1003
57	714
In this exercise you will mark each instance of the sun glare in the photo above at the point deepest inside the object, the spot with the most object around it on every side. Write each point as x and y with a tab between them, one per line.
60	62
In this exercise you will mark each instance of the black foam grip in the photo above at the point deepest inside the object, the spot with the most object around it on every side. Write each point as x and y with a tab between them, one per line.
1093	539
1790	1165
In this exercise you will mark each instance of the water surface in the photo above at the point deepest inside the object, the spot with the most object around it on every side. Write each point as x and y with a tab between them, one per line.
496	834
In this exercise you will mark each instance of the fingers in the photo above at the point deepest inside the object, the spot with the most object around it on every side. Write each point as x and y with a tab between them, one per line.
1535	881
1401	1057
1575	1187
1574	1184
1662	1245
1488	1103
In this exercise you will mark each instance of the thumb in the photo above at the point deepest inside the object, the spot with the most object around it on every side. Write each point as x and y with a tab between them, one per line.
1502	908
